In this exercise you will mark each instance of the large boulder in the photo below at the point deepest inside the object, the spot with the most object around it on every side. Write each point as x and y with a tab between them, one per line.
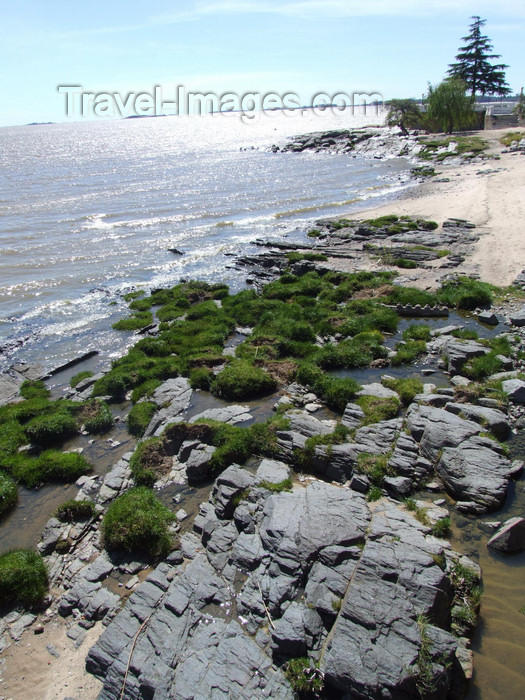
476	471
510	538
436	429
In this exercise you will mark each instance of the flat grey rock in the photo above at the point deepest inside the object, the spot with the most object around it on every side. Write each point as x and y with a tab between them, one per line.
228	414
306	425
378	390
272	471
172	398
352	416
496	421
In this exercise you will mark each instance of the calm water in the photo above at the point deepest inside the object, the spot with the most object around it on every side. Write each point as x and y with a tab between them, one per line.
89	210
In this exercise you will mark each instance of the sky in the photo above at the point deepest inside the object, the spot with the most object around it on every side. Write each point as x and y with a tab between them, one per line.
391	48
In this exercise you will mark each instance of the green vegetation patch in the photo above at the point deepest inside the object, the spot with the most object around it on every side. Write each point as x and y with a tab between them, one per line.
34	389
241	380
138	522
51	428
8	493
375	467
468	590
312	257
417	332
96	416
23	578
150	461
407	388
49	466
467	146
509	138
140	417
284	485
378	409
134	323
408	352
77	378
466	293
304	677
74	511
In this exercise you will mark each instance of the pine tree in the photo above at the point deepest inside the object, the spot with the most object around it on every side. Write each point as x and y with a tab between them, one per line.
473	64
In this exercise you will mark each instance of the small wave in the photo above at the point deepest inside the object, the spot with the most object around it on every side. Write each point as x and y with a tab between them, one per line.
220	224
315	207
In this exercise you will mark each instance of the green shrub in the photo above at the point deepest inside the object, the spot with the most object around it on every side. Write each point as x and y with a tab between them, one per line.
34	389
8	493
407	388
375	467
374	494
285	485
50	429
138	522
407	352
136	322
23	578
140	417
336	392
97	417
417	332
465	293
75	381
441	528
110	385
61	466
304	677
201	378
482	367
241	380
73	511
12	437
377	409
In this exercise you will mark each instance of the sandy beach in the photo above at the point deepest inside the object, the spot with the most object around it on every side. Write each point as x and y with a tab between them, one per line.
489	194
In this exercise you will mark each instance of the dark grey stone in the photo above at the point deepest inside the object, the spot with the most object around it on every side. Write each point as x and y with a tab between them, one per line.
510	538
515	390
397	486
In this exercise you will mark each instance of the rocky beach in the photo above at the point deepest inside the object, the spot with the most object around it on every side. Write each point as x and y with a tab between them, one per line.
317	444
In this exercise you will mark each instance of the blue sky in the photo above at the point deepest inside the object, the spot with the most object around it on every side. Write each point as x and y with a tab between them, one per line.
392	47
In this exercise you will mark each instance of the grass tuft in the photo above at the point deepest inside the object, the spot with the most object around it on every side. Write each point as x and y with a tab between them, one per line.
23	578
138	522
